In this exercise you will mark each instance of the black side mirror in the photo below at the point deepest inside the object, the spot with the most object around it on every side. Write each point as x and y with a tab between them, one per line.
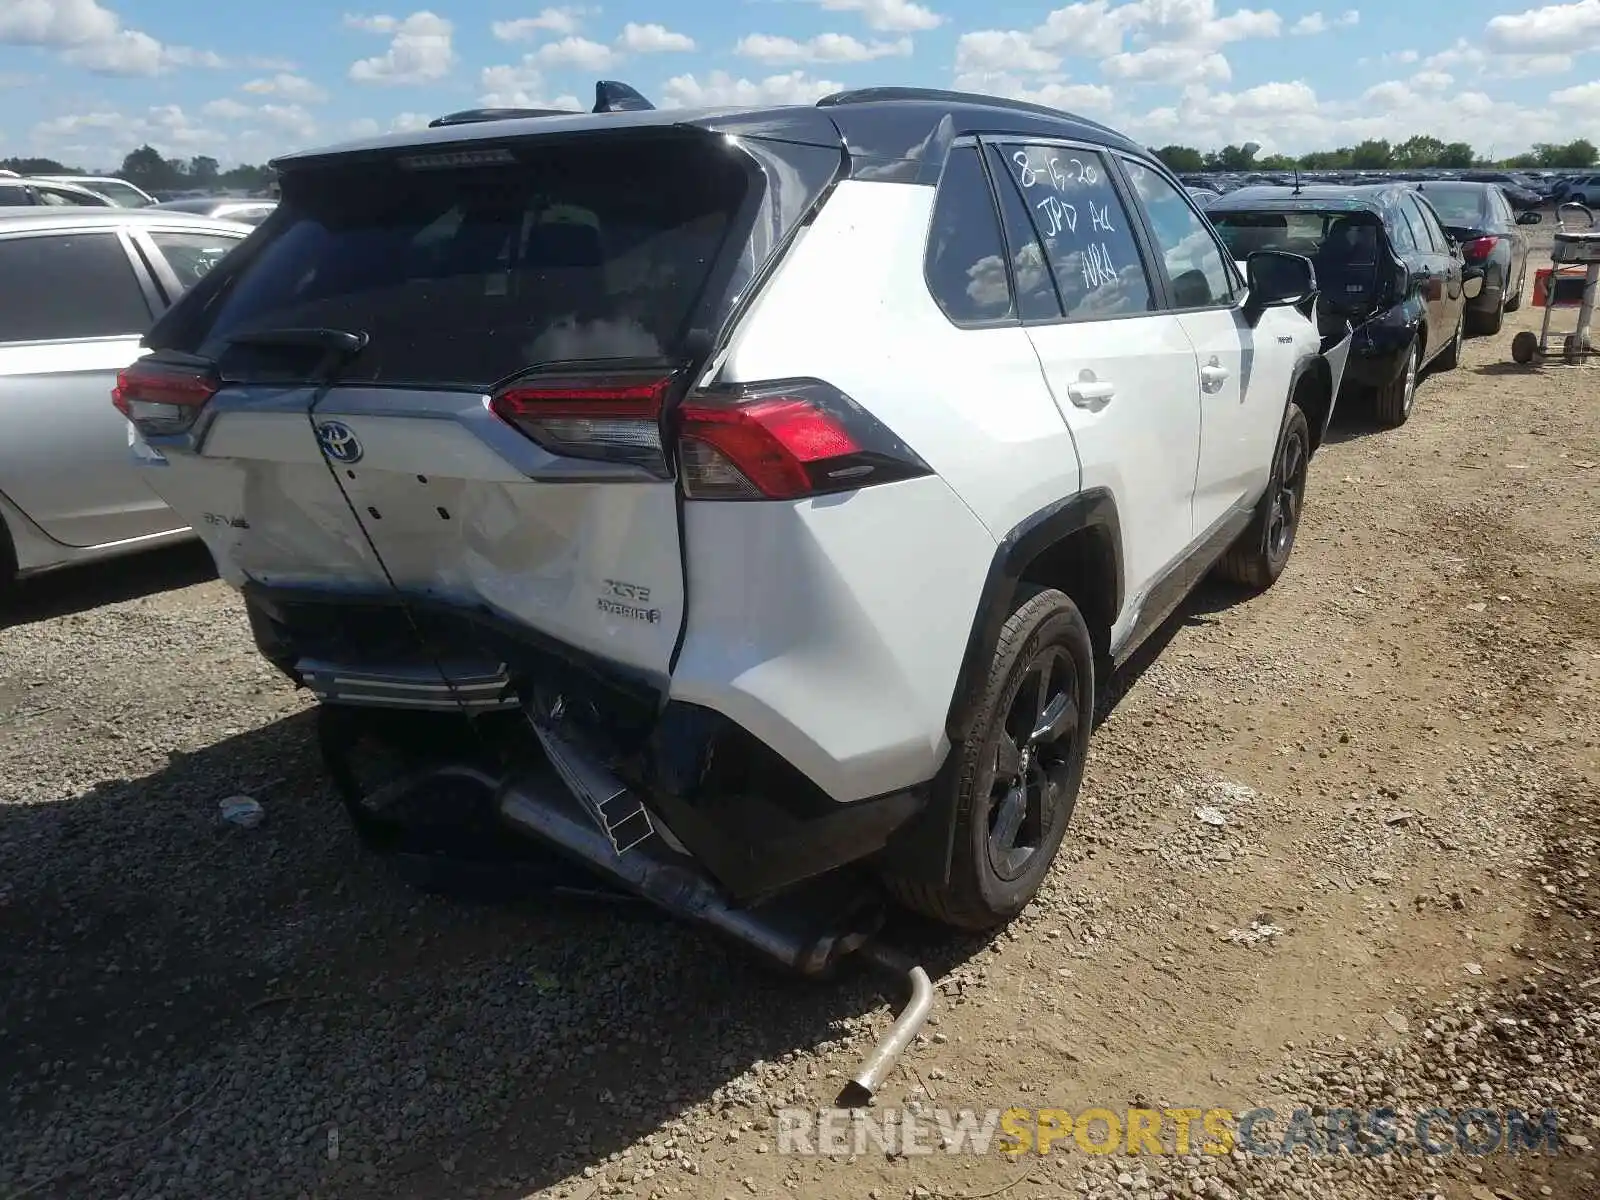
1529	217
1278	279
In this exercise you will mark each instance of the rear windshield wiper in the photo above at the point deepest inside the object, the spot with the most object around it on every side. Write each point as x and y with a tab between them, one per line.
338	346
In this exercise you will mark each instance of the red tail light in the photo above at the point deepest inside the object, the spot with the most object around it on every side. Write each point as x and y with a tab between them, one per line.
162	399
1479	248
613	416
782	441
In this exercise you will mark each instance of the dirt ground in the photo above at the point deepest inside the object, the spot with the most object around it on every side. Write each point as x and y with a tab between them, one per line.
1401	742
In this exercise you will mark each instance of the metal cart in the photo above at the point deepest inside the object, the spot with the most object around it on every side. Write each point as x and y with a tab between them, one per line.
1573	248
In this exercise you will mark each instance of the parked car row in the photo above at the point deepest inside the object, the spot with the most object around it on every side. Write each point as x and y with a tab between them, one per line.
1413	268
1522	189
79	286
100	191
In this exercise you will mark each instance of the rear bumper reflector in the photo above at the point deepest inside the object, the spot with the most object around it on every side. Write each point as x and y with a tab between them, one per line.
449	688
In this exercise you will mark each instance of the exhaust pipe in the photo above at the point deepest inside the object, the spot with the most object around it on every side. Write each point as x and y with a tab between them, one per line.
589	815
876	1066
581	810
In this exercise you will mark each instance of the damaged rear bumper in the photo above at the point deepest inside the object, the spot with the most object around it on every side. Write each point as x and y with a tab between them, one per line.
747	818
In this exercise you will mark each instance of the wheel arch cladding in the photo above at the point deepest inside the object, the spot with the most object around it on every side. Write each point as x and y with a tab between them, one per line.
1311	387
1073	545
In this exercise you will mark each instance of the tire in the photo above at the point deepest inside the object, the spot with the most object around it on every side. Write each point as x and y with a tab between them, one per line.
1450	357
1015	784
8	566
1487	324
1392	403
1514	299
1262	552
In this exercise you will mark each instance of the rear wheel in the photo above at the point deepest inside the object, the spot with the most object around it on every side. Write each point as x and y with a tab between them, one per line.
1450	357
1392	403
1262	551
1514	297
1486	324
1016	776
8	564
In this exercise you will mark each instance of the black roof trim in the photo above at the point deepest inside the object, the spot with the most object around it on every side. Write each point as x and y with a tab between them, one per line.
472	116
880	95
890	133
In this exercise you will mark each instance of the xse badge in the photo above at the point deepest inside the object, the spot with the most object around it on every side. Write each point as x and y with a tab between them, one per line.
631	601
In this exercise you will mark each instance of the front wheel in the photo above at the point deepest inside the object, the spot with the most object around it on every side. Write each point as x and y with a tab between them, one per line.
1016	775
1262	551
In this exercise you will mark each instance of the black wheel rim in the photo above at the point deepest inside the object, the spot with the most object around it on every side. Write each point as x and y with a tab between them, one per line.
1033	753
1286	499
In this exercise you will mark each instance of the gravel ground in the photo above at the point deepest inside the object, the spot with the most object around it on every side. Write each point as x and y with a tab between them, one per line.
1335	848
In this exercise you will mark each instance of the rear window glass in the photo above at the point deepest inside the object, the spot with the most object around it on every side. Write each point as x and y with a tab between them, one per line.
1344	246
1458	206
465	276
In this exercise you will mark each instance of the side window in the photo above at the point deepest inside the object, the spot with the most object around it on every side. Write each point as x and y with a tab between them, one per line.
1200	277
1405	237
1429	234
13	194
192	255
1063	201
74	285
966	268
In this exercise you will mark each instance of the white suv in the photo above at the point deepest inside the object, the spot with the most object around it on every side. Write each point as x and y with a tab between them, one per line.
777	483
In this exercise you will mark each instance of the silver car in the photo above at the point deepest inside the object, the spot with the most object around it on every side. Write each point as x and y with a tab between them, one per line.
119	191
223	208
78	288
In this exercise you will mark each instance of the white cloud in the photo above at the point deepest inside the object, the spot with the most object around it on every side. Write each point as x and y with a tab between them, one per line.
295	88
1432	81
1315	22
226	108
90	36
420	52
1168	64
653	39
1584	95
1509	66
720	88
891	16
825	47
1290	117
1002	50
1069	97
551	20
521	86
575	52
1555	29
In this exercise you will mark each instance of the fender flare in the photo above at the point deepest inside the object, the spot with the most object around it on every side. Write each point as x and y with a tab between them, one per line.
920	850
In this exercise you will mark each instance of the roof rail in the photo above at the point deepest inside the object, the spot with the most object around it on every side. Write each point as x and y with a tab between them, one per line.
877	95
473	115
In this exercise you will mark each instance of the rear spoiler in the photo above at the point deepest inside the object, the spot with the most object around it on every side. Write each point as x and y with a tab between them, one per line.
610	96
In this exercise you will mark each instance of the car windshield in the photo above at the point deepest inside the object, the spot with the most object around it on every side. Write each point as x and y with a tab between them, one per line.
122	194
1457	206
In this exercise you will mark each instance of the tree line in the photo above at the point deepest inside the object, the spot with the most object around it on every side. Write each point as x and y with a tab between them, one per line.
147	169
1378	154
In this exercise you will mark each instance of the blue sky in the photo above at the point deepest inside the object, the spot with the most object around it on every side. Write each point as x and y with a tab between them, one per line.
86	80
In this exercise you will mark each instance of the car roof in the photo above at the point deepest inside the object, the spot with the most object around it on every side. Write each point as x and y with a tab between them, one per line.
16	219
1364	197
882	125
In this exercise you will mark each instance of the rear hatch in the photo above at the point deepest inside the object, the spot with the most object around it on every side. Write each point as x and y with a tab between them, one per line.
438	377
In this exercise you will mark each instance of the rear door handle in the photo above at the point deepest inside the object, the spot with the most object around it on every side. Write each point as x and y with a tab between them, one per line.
1091	392
1212	376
